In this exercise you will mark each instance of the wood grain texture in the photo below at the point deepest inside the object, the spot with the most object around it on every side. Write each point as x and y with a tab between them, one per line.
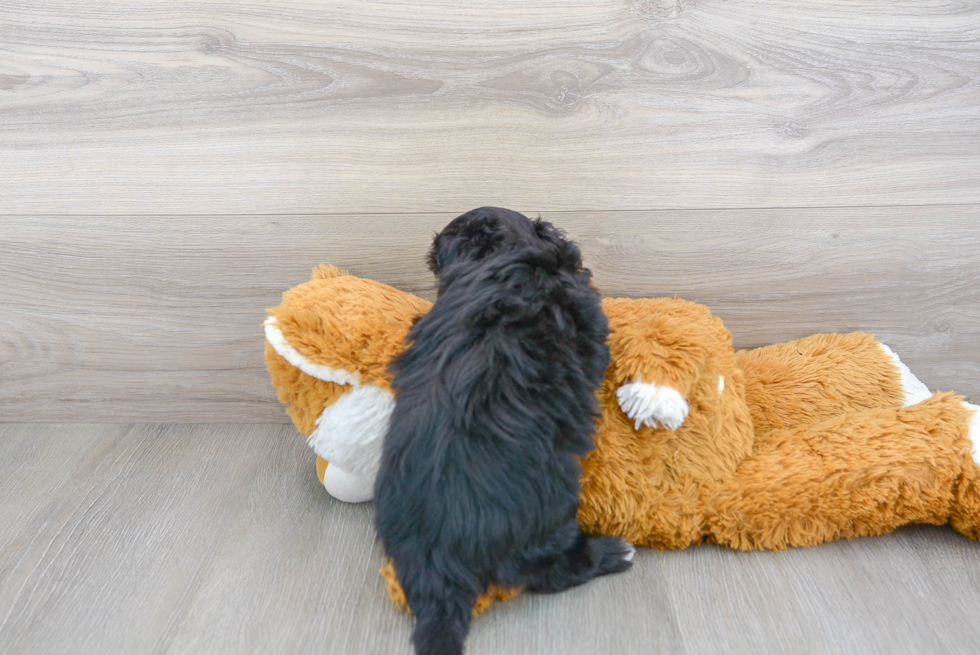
113	555
24	454
913	591
206	107
188	539
158	318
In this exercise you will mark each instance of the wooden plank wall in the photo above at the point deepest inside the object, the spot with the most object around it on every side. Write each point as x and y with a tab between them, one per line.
168	168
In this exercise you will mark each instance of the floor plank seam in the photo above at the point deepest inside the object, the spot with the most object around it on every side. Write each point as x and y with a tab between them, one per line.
454	211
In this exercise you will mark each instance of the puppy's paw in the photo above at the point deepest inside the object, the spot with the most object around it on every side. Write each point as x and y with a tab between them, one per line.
652	404
614	554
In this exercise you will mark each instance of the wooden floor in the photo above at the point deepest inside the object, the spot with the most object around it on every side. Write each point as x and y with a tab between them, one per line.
217	539
169	167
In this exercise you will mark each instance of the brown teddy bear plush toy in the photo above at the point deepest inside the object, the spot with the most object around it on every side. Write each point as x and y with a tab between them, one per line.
793	444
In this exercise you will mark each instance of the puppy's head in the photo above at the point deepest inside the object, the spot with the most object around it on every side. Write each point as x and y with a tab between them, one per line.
489	231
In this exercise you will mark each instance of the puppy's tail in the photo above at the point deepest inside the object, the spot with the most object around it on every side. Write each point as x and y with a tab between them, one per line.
443	621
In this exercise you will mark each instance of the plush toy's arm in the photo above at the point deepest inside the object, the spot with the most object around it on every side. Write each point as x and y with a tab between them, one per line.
651	404
658	351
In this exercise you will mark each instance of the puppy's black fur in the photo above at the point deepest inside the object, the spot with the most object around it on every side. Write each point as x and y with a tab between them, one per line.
495	401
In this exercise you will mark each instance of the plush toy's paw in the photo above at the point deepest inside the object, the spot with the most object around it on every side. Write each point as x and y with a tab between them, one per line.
348	487
614	554
653	405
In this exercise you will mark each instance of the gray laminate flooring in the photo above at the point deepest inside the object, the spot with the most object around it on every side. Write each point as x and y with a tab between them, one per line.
146	538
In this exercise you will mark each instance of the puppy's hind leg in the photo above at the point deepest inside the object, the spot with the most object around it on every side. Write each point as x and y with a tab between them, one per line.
442	609
568	559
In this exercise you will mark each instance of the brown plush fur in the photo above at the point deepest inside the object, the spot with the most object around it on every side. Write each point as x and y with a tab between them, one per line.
373	319
807	442
493	593
786	383
649	485
304	396
854	475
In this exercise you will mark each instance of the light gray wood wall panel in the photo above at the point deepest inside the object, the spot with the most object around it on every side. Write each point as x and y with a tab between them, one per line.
356	106
176	539
158	318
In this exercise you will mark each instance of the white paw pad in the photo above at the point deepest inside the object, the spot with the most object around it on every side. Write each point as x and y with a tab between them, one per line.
632	551
653	405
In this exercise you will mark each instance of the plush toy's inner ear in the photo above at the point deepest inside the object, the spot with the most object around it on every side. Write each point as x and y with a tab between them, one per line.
275	338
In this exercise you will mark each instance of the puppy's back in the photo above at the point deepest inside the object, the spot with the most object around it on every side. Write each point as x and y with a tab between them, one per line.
495	398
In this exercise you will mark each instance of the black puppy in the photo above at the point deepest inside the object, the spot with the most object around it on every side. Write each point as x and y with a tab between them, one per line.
495	401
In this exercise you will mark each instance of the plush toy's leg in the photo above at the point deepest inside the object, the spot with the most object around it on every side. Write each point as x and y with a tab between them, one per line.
861	474
570	558
321	468
823	376
342	485
913	391
966	512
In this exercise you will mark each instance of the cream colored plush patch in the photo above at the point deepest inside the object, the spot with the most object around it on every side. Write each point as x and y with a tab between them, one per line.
350	432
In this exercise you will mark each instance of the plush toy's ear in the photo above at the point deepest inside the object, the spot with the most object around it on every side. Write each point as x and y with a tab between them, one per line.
327	271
